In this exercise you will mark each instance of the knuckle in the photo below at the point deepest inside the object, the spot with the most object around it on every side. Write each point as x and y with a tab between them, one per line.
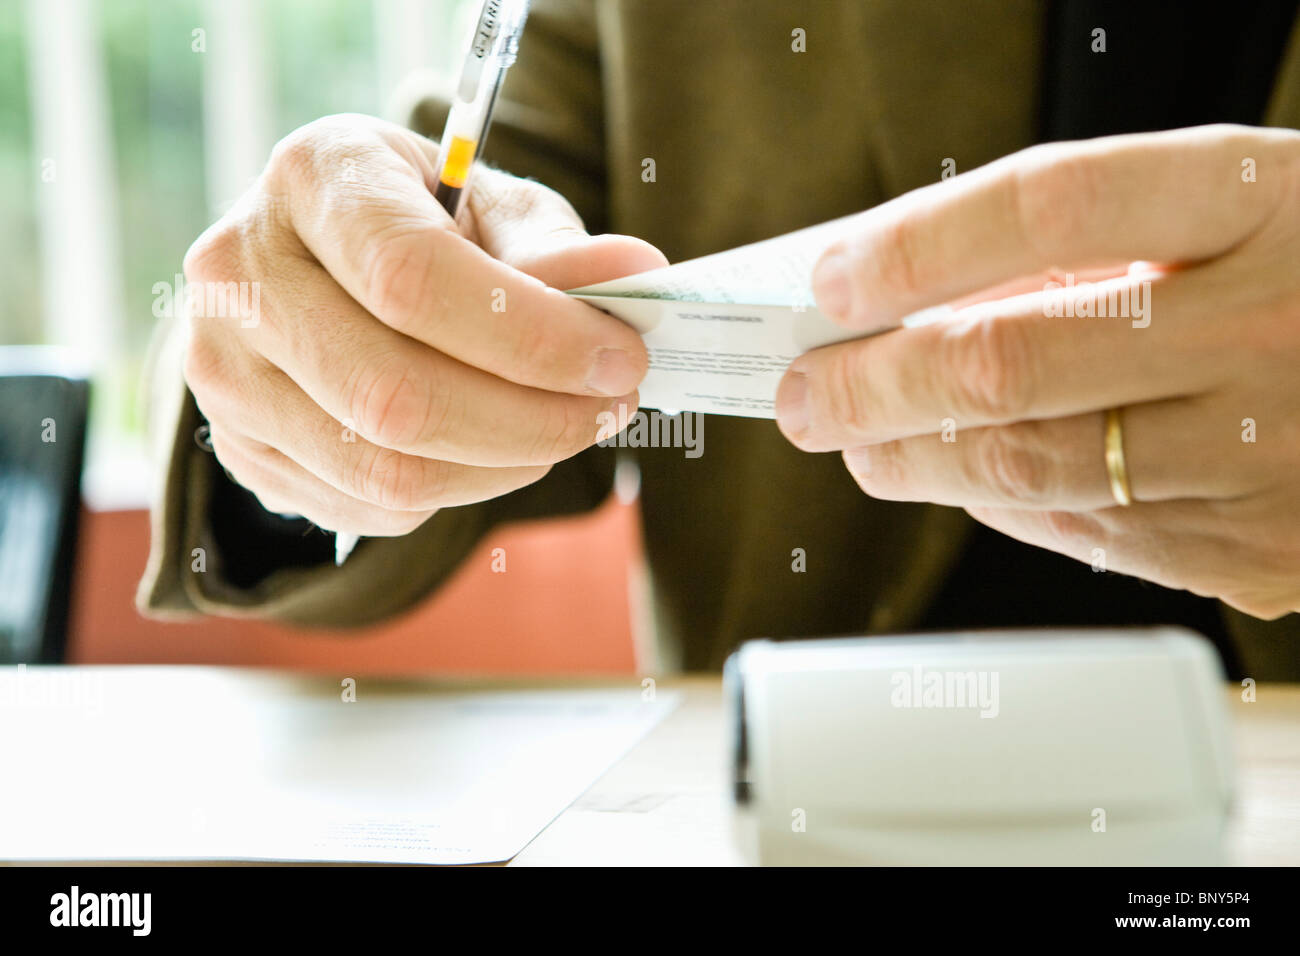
432	484
402	277
298	154
390	406
203	366
986	368
536	355
887	472
1005	465
1058	197
216	255
313	153
1069	529
899	262
385	478
571	426
843	394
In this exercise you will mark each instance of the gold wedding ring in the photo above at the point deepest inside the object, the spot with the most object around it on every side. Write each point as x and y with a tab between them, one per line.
1116	468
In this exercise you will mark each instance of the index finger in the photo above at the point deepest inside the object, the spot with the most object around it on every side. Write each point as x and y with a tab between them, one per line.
366	214
1165	197
1012	360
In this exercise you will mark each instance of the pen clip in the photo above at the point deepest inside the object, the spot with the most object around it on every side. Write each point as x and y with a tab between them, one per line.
496	39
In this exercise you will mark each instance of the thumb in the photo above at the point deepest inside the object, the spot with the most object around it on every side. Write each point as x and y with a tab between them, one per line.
586	260
535	230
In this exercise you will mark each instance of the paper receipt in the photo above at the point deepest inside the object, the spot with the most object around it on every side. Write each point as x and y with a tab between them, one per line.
722	329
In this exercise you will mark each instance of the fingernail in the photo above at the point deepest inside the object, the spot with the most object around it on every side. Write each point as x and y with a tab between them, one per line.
792	403
831	285
614	372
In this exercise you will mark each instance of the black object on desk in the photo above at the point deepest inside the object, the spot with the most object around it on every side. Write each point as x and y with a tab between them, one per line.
44	401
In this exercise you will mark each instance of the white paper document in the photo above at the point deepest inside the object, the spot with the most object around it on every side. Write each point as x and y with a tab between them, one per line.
181	763
721	330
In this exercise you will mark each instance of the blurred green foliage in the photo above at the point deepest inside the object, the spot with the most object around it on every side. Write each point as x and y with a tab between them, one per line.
20	275
319	58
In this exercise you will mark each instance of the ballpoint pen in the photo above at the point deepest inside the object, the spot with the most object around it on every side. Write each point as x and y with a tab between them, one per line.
491	52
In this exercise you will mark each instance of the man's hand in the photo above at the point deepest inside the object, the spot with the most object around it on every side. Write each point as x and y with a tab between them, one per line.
402	362
999	408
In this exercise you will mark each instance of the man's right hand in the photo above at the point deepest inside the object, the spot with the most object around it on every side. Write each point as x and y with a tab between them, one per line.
401	362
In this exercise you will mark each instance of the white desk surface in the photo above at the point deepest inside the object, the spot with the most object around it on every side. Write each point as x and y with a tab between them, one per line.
666	801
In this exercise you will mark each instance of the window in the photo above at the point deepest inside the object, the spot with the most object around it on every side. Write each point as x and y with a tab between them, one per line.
134	124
